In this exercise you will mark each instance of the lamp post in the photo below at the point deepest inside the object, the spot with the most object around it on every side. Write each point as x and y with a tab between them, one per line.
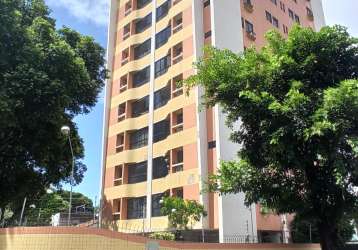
65	130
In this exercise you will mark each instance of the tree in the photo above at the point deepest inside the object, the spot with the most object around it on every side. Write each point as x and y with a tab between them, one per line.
47	77
39	211
181	212
297	104
306	231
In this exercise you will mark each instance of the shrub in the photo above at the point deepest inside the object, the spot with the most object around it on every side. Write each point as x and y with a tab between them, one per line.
162	236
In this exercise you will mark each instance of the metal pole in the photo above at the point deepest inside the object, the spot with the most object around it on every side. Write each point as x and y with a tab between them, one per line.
22	211
94	210
71	182
310	233
144	207
202	229
252	223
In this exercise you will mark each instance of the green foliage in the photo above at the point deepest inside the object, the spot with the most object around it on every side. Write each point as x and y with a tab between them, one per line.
181	212
296	101
39	211
306	231
162	236
47	77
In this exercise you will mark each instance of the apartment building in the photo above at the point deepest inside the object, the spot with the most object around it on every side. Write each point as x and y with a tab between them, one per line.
157	139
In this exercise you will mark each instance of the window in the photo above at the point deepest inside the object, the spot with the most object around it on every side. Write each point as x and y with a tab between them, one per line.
125	56
249	27
206	3
141	77
120	143
177	88
140	107
143	24
123	83
142	50
285	29
121	112
297	19
161	97
177	53
142	3
177	23
118	175
275	22
177	161
282	6
212	144
162	10
139	138
274	2
126	31
137	172
160	167
268	16
177	121
136	208
128	8
116	209
162	37
309	12
161	130
162	65
290	14
178	192
156	206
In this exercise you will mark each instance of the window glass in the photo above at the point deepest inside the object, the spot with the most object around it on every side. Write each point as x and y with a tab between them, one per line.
142	50
156	206
136	208
161	97
161	130
160	168
140	107
139	138
141	77
162	65
162	37
137	172
162	10
143	23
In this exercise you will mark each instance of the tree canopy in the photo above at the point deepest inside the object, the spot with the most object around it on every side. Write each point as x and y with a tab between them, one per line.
296	101
47	77
182	212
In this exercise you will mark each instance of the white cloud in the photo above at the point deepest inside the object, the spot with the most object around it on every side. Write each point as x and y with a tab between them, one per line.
95	11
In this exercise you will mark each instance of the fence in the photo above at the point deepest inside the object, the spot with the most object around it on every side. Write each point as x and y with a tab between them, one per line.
75	238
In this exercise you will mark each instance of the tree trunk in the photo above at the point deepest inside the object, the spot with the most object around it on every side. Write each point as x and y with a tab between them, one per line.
329	238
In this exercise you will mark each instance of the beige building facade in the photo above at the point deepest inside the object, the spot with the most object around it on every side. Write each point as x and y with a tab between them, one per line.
157	140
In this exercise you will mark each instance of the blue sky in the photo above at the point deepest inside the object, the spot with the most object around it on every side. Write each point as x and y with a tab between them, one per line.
90	17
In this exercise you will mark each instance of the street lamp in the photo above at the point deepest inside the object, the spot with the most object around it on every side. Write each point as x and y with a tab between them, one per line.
65	130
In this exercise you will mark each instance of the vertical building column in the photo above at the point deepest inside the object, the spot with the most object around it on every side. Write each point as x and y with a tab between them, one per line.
317	9
107	93
151	117
202	144
234	217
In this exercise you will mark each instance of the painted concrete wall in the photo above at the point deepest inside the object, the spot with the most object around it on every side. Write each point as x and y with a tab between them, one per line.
234	217
94	239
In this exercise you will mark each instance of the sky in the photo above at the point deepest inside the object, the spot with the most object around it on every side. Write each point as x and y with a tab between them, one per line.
90	17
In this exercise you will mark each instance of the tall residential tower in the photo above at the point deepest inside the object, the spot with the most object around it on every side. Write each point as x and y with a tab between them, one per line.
158	140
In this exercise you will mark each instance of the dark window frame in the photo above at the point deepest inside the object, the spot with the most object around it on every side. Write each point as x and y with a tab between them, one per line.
139	138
